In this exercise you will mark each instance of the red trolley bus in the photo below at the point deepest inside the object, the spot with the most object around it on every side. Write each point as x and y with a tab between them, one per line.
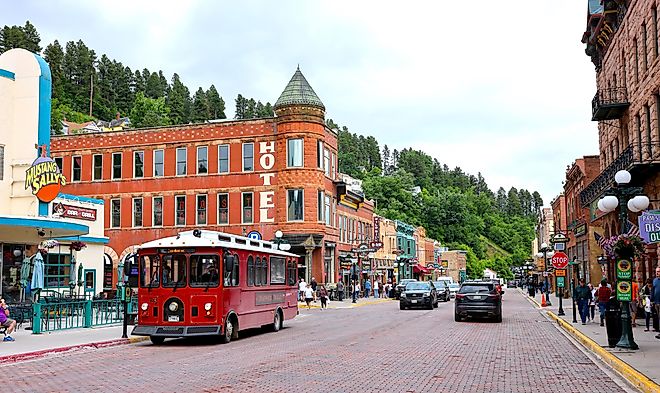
205	283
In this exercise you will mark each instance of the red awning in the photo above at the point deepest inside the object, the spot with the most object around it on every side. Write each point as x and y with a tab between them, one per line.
422	269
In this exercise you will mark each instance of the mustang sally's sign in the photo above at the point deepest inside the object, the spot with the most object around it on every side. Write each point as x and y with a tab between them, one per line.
44	178
649	226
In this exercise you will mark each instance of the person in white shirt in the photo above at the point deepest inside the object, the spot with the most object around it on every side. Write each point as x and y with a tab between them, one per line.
356	292
309	295
301	289
376	288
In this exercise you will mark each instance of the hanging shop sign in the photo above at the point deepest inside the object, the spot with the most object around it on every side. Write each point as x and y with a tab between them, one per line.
624	291
649	226
44	178
580	230
69	211
623	270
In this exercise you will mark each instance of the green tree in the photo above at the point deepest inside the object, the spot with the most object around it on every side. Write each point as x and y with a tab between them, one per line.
216	103
179	101
149	112
25	37
201	108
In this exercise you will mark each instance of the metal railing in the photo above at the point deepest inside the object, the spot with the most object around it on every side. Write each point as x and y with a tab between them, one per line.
605	99
53	316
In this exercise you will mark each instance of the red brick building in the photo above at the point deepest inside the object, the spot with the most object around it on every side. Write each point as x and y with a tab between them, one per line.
623	40
236	176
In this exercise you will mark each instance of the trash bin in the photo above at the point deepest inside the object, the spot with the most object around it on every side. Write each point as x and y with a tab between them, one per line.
613	321
532	291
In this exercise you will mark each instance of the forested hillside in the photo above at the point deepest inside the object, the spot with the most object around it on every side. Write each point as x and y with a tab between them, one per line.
88	87
455	207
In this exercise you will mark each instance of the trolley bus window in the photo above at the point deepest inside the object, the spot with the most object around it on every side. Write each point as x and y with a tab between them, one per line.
291	273
230	275
204	270
174	270
250	267
277	270
149	271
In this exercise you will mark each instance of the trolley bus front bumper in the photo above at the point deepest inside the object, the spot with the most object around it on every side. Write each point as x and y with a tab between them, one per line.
175	331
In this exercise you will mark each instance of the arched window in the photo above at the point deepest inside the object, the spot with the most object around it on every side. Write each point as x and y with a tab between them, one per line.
234	274
258	272
264	271
250	267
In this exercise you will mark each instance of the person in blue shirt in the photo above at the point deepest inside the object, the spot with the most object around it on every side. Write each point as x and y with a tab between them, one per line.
655	293
367	288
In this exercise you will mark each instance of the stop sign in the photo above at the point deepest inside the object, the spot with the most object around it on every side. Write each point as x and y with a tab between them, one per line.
559	260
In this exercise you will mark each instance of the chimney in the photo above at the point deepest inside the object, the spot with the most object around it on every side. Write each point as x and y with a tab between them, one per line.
117	117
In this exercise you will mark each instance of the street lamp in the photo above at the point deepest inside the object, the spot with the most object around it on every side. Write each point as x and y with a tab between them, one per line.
279	242
573	264
626	198
544	252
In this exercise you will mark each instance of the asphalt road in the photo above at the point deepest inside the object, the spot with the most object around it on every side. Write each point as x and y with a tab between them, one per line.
374	348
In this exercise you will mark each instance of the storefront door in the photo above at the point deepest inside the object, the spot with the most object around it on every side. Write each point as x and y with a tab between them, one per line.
90	281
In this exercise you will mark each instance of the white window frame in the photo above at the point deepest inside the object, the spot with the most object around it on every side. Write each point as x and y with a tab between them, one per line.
302	153
243	159
154	163
243	207
218	210
176	197
111	205
319	154
121	158
153	211
207	161
303	204
94	167
176	160
135	153
206	209
228	158
327	209
326	162
333	162
133	200
73	161
319	206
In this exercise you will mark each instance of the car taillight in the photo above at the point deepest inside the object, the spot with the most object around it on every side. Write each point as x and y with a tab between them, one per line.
494	295
459	296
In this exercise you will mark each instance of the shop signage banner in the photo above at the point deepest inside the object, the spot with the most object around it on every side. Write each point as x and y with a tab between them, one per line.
43	177
377	228
649	226
623	291
69	211
580	230
623	270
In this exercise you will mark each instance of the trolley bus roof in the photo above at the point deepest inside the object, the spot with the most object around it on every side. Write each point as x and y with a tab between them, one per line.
215	239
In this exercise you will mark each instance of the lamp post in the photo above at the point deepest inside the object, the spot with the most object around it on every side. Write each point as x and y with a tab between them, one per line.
626	198
573	264
544	252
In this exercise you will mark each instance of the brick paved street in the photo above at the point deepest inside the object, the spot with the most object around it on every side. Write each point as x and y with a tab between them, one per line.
374	348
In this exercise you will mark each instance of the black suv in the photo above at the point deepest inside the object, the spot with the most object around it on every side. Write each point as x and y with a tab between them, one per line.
478	298
443	290
400	287
419	294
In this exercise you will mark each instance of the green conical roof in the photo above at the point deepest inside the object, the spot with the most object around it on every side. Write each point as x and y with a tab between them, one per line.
298	92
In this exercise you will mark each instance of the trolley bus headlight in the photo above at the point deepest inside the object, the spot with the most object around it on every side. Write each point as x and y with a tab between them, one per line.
144	306
207	306
173	307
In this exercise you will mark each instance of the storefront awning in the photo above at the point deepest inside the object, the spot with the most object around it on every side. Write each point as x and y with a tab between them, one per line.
33	230
422	269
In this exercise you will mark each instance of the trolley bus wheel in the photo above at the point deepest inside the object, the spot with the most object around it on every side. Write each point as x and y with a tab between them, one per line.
229	332
277	321
156	340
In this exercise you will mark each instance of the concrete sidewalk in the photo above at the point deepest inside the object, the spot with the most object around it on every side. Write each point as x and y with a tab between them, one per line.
634	365
28	345
346	303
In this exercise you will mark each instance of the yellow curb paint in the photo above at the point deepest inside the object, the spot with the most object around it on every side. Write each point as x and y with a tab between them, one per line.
634	377
532	300
133	340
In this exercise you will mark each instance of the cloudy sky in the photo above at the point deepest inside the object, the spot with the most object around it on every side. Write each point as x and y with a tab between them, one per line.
502	88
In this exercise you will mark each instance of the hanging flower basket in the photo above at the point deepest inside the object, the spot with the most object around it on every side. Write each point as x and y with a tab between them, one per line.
624	247
48	244
77	245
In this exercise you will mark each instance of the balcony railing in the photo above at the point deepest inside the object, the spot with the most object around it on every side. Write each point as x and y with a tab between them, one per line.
634	158
609	104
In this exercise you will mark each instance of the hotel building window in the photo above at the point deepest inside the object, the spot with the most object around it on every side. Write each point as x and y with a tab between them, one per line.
246	205
97	173
202	160
294	203
116	165
138	164
159	163
137	212
294	153
223	159
180	205
201	209
248	157
58	161
77	168
223	209
115	209
181	158
157	208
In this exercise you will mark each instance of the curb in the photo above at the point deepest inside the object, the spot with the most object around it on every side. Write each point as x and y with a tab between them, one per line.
352	305
629	373
531	299
19	357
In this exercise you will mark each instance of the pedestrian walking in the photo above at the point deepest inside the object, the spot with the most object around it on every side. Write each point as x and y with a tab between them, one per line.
314	287
323	295
592	303
309	295
6	322
367	288
356	291
655	294
645	295
375	288
603	294
302	285
340	290
634	303
582	294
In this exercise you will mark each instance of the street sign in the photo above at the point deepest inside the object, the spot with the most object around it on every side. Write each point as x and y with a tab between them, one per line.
623	291
560	282
623	270
559	260
649	226
560	272
254	235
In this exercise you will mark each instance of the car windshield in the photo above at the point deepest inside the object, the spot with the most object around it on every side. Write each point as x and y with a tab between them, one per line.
439	284
454	286
416	286
406	282
476	288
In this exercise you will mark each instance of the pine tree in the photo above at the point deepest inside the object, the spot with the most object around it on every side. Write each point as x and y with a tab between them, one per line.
54	56
200	109
386	160
216	104
25	37
179	101
241	107
31	38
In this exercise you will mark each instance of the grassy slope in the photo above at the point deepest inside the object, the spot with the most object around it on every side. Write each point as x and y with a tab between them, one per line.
492	249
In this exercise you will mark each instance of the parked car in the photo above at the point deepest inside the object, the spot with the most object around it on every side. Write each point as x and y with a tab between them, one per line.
478	298
453	289
419	294
442	288
401	286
